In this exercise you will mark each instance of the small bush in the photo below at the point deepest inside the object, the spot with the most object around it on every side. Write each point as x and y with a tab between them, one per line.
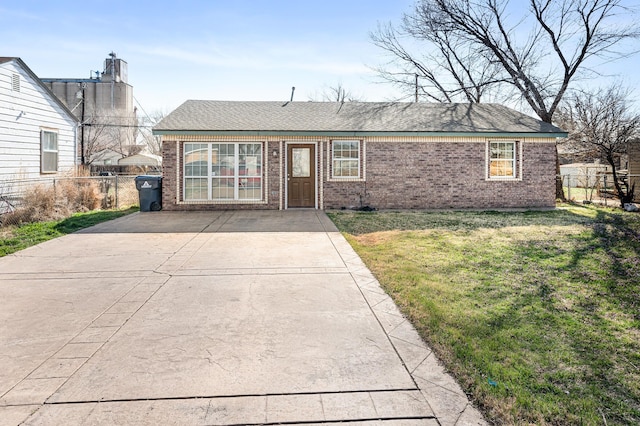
79	195
54	202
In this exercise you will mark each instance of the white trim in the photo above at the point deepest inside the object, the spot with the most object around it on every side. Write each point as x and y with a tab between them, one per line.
320	178
43	131
285	171
364	161
265	170
178	171
517	167
479	138
236	178
361	161
281	173
221	202
285	176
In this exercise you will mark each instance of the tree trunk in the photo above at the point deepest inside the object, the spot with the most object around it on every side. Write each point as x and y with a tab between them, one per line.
616	182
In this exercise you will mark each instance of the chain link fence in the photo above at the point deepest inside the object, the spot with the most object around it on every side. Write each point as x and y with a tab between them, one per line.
597	188
32	200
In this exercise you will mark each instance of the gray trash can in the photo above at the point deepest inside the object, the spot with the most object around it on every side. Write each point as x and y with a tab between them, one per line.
150	193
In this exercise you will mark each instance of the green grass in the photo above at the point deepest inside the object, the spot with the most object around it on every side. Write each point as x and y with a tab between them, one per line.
13	239
546	305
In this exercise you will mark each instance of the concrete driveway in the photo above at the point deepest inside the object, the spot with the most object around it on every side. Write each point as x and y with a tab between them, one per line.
208	319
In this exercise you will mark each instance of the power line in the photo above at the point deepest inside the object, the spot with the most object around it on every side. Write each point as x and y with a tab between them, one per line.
140	105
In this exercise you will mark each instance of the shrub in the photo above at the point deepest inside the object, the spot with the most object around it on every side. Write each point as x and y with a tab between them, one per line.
54	202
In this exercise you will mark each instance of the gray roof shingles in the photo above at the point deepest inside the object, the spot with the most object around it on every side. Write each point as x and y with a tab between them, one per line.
387	117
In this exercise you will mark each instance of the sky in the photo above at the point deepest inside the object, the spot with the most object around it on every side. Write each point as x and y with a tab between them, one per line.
215	49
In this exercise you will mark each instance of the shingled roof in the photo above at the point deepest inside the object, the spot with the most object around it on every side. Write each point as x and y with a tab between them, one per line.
228	117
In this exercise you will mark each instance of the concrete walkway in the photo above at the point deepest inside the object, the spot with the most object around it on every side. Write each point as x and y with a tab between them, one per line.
210	319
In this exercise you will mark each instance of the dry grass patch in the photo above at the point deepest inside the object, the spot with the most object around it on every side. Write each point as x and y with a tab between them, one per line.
54	202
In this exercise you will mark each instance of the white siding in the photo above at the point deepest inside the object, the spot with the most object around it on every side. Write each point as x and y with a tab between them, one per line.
23	114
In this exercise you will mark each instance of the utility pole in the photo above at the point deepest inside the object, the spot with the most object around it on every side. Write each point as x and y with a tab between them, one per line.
416	99
82	159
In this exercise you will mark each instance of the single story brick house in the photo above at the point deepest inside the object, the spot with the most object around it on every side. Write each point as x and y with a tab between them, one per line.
384	155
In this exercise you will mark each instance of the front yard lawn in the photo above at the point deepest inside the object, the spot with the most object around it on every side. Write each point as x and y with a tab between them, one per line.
537	314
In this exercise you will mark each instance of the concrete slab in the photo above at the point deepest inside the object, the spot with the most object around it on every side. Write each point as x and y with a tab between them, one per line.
159	223
97	253
274	221
14	415
39	317
236	335
211	318
276	251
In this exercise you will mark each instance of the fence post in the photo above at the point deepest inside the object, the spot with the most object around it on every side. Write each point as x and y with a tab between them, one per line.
606	191
117	201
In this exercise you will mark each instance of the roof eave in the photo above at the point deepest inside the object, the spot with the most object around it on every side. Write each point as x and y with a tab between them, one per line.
39	82
165	132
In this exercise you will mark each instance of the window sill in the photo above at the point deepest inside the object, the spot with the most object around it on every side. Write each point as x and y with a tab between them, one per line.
503	179
346	179
222	202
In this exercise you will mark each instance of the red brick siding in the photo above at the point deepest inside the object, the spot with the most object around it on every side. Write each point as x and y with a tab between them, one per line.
444	175
406	175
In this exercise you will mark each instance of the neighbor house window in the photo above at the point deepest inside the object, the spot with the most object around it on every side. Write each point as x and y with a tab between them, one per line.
345	159
503	160
48	152
223	171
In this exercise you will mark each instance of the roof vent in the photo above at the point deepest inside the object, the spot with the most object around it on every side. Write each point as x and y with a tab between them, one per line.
15	82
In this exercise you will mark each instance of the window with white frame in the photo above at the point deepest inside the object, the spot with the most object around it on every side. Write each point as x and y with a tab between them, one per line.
48	151
345	159
223	171
502	160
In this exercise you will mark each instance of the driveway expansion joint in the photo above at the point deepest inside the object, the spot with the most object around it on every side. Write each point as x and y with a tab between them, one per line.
229	396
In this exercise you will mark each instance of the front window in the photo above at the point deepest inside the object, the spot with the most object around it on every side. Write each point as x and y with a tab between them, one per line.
223	171
502	160
48	152
345	159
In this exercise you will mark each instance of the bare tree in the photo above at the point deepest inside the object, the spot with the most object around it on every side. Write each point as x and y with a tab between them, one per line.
450	70
537	55
604	121
336	93
107	129
145	125
95	135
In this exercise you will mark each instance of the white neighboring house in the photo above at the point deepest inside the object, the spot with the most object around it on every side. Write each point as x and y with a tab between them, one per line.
583	175
141	159
105	157
37	131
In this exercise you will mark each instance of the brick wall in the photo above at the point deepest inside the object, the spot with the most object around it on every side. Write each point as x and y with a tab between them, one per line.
406	175
168	175
415	175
